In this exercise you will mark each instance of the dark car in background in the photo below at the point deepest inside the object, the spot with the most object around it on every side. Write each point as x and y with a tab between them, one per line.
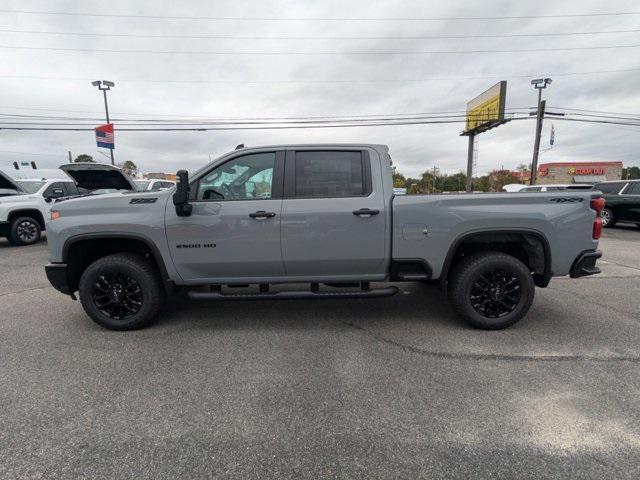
622	201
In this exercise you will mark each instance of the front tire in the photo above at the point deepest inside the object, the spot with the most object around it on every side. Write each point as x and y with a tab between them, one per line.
121	292
25	231
608	220
491	290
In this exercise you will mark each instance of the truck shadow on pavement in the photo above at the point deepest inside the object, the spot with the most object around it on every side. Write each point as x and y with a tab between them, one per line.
424	304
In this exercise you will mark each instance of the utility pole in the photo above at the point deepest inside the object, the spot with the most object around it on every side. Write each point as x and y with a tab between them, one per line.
105	85
435	171
469	185
538	84
70	157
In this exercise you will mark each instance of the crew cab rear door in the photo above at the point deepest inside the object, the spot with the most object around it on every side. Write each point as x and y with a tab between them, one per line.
233	232
333	219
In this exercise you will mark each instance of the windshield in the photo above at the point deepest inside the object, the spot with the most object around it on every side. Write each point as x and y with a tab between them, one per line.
141	184
30	187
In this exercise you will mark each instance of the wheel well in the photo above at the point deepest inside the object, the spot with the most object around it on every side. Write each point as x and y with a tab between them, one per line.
530	248
81	253
35	214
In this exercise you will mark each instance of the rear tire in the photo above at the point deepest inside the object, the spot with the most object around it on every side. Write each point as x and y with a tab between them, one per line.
121	292
24	231
608	220
491	290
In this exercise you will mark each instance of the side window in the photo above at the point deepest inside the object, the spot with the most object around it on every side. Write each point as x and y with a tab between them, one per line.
55	190
72	189
609	187
242	178
329	174
161	185
633	189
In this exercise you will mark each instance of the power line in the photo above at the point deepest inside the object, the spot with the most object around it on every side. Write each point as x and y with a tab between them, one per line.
596	111
328	81
332	37
257	127
299	126
341	117
320	19
353	52
250	121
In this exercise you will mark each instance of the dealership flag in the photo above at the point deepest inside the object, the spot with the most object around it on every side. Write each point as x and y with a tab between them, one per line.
552	139
104	136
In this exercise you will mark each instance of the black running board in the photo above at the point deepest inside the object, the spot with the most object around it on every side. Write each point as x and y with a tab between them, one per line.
293	294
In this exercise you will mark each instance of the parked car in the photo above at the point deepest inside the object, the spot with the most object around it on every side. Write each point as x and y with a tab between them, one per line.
25	210
154	185
622	201
318	215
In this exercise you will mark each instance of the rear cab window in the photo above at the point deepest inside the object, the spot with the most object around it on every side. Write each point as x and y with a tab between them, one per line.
329	174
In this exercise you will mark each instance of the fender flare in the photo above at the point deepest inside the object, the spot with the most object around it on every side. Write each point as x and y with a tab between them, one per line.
542	281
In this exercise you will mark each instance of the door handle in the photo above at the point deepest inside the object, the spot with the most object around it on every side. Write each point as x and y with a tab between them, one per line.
261	214
365	212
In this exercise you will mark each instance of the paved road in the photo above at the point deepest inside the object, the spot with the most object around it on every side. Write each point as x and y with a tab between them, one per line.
386	388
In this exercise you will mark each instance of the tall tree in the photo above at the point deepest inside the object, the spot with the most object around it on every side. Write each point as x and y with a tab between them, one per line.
129	168
83	157
630	173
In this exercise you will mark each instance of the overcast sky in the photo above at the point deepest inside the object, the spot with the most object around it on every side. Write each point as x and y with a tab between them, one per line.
175	84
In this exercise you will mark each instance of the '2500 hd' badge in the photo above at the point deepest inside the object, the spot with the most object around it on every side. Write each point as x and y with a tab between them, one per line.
196	245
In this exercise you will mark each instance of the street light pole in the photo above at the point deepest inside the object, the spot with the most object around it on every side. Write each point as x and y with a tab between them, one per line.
105	85
538	84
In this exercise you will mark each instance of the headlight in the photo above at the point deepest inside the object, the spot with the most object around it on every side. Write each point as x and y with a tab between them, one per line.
55	214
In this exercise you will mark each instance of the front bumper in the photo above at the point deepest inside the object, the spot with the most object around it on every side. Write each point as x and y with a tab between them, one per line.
57	276
5	228
585	264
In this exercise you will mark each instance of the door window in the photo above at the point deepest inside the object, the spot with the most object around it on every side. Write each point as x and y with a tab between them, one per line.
633	189
243	178
609	187
72	189
329	174
55	190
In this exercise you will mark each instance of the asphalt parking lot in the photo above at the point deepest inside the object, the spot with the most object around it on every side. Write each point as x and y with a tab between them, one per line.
386	388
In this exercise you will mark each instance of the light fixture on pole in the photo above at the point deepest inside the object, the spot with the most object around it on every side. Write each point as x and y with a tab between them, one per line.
539	84
104	86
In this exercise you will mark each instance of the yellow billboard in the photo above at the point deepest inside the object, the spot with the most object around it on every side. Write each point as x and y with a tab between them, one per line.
487	109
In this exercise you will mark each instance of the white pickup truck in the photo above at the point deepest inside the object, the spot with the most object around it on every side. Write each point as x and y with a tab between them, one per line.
25	204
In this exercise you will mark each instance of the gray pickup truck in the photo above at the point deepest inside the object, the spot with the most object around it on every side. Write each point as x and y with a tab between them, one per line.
257	220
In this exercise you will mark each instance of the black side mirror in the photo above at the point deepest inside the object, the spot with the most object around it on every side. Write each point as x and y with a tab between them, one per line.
181	195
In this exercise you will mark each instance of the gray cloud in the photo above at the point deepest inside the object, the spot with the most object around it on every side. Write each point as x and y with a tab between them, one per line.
414	148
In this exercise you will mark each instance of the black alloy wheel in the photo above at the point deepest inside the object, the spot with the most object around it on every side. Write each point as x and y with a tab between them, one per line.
495	293
27	231
491	290
24	231
117	295
122	291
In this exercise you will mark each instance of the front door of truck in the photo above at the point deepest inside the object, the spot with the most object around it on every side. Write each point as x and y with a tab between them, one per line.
234	229
333	221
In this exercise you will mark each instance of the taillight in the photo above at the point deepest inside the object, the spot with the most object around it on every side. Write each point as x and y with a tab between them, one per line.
597	204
